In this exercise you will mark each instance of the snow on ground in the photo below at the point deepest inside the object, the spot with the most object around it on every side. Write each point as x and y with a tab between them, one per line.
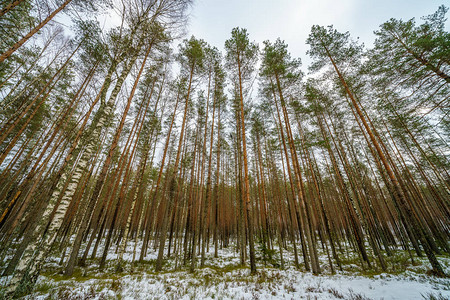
223	278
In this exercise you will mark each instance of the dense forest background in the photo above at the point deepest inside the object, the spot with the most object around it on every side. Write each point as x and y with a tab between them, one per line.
117	138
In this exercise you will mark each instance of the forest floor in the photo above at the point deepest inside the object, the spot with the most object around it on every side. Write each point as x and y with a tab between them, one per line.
224	278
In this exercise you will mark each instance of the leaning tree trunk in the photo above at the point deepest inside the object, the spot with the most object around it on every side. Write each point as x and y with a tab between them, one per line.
9	7
35	252
398	194
22	41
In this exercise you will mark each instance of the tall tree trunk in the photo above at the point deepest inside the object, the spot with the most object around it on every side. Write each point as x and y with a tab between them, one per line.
246	181
173	184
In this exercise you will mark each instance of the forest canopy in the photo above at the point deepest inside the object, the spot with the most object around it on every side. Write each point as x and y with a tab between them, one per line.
136	138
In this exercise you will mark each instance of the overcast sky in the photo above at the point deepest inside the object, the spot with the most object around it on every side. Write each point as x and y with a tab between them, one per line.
291	20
